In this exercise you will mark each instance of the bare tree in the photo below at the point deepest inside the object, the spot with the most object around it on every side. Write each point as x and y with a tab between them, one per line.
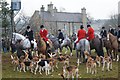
21	21
113	21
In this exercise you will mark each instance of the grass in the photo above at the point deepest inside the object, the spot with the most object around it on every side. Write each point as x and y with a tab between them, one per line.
7	70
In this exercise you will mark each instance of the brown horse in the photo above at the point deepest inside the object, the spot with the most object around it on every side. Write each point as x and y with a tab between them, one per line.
41	45
112	45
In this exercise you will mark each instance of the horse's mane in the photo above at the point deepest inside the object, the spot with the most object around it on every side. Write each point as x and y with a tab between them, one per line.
112	37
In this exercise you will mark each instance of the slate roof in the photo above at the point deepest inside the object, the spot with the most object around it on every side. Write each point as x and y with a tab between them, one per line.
61	16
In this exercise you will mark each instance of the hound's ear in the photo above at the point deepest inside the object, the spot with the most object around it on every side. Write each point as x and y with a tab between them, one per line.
11	57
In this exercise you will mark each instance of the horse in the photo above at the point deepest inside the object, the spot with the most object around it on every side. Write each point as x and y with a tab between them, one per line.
67	43
56	44
26	44
97	44
111	44
25	41
82	46
41	44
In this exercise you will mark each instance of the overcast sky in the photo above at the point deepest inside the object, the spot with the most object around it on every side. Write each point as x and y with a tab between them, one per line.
98	9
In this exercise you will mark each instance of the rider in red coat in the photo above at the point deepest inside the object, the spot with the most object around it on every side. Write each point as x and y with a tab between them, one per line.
44	33
90	33
81	34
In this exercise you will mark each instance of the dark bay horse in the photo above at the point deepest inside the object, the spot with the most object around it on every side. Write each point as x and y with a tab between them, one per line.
97	44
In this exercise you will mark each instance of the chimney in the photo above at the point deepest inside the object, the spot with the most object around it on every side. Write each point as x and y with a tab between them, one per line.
84	17
55	9
42	8
50	7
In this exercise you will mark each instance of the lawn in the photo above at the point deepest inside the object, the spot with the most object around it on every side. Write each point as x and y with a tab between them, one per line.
7	70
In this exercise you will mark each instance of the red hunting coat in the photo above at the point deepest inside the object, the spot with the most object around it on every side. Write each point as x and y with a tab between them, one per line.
81	34
43	34
90	33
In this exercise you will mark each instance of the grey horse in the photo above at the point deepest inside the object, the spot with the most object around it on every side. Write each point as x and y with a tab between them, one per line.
82	46
66	43
55	42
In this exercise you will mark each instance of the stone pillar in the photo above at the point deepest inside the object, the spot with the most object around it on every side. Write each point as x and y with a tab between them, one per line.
84	18
50	7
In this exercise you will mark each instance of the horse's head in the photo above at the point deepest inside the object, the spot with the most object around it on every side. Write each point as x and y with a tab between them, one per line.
37	37
110	36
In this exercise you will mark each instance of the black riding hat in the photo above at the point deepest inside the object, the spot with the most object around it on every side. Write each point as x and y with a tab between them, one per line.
59	30
28	27
81	27
103	27
88	25
42	26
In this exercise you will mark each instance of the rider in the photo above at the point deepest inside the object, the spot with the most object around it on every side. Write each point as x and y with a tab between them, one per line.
90	33
111	30
103	33
81	34
29	35
43	34
60	36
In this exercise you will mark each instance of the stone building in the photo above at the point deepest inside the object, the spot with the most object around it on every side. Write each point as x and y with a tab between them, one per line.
54	20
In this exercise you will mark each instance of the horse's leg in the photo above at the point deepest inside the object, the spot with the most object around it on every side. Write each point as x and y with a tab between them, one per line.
70	50
117	55
107	51
66	49
82	53
78	61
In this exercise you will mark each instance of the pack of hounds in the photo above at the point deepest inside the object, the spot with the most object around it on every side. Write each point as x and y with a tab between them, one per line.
40	64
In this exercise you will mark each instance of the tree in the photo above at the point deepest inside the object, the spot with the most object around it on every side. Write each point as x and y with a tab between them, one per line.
5	18
21	21
113	22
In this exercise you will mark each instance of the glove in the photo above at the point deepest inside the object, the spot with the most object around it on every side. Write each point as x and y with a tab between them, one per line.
60	39
118	39
48	42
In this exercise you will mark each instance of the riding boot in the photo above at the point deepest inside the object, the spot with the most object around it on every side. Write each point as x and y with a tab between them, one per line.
74	46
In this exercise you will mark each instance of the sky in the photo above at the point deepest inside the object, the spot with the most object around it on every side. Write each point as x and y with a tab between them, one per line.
98	9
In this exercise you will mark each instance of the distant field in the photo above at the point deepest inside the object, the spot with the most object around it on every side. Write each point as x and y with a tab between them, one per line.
7	70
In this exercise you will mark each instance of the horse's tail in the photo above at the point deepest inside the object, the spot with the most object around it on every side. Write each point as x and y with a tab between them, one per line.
101	47
101	43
